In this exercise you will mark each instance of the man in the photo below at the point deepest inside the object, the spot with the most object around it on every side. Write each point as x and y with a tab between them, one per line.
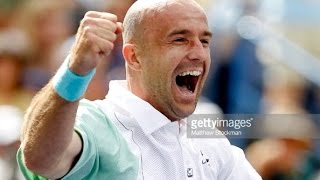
136	132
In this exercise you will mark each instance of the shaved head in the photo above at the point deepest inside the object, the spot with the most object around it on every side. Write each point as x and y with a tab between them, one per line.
164	39
140	12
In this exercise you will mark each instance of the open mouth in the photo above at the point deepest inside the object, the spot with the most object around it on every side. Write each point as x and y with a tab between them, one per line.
187	81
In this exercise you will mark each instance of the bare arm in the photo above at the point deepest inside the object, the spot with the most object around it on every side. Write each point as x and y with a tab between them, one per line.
49	144
48	134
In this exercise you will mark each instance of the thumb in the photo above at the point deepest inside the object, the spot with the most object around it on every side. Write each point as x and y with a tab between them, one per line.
119	28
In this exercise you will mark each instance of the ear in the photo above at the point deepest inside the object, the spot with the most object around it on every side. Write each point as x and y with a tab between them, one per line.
130	56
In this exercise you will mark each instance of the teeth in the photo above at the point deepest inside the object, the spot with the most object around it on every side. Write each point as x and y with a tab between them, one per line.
192	73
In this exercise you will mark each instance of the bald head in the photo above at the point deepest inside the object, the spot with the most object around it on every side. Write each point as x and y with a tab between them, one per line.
162	39
143	10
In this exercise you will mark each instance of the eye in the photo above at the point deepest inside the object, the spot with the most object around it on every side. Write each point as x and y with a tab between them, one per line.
205	42
180	40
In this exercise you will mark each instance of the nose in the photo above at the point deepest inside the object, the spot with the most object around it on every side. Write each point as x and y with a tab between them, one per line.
197	51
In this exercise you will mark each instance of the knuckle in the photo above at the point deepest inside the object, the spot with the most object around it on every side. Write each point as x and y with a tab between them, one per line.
113	36
111	26
95	48
113	17
110	36
89	39
87	30
90	14
87	21
109	46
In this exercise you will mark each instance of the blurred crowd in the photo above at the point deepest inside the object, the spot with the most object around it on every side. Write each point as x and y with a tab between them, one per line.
251	72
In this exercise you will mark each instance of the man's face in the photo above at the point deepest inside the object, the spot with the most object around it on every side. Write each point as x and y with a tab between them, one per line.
175	59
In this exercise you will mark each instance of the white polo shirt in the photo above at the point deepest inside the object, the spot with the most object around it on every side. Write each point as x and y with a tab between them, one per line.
163	148
124	138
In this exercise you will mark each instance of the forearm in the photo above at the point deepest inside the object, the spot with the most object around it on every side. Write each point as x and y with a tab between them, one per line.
49	144
48	130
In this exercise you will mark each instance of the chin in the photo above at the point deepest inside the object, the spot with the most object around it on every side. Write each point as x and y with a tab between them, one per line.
184	111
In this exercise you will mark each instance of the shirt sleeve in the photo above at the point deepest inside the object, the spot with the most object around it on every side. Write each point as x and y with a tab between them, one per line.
79	171
87	121
88	156
94	130
24	170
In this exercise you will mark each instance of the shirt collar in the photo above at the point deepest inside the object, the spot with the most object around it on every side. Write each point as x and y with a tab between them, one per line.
148	118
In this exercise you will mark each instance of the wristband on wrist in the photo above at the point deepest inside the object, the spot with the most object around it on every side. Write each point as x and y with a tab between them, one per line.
69	85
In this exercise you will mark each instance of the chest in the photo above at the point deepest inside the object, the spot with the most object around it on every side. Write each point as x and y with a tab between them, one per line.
164	155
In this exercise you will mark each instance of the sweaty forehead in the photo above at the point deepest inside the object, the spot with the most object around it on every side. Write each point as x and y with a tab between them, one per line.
175	9
154	4
155	15
175	16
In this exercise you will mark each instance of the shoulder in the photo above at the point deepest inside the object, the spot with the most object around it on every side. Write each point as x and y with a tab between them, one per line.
90	114
87	107
94	124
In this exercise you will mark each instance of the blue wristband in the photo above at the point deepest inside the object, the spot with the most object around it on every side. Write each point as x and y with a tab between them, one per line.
70	86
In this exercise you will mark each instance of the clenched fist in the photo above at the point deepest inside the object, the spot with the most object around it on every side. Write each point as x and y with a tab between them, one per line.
94	41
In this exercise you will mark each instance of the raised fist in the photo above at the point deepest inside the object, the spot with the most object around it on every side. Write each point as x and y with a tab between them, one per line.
94	41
